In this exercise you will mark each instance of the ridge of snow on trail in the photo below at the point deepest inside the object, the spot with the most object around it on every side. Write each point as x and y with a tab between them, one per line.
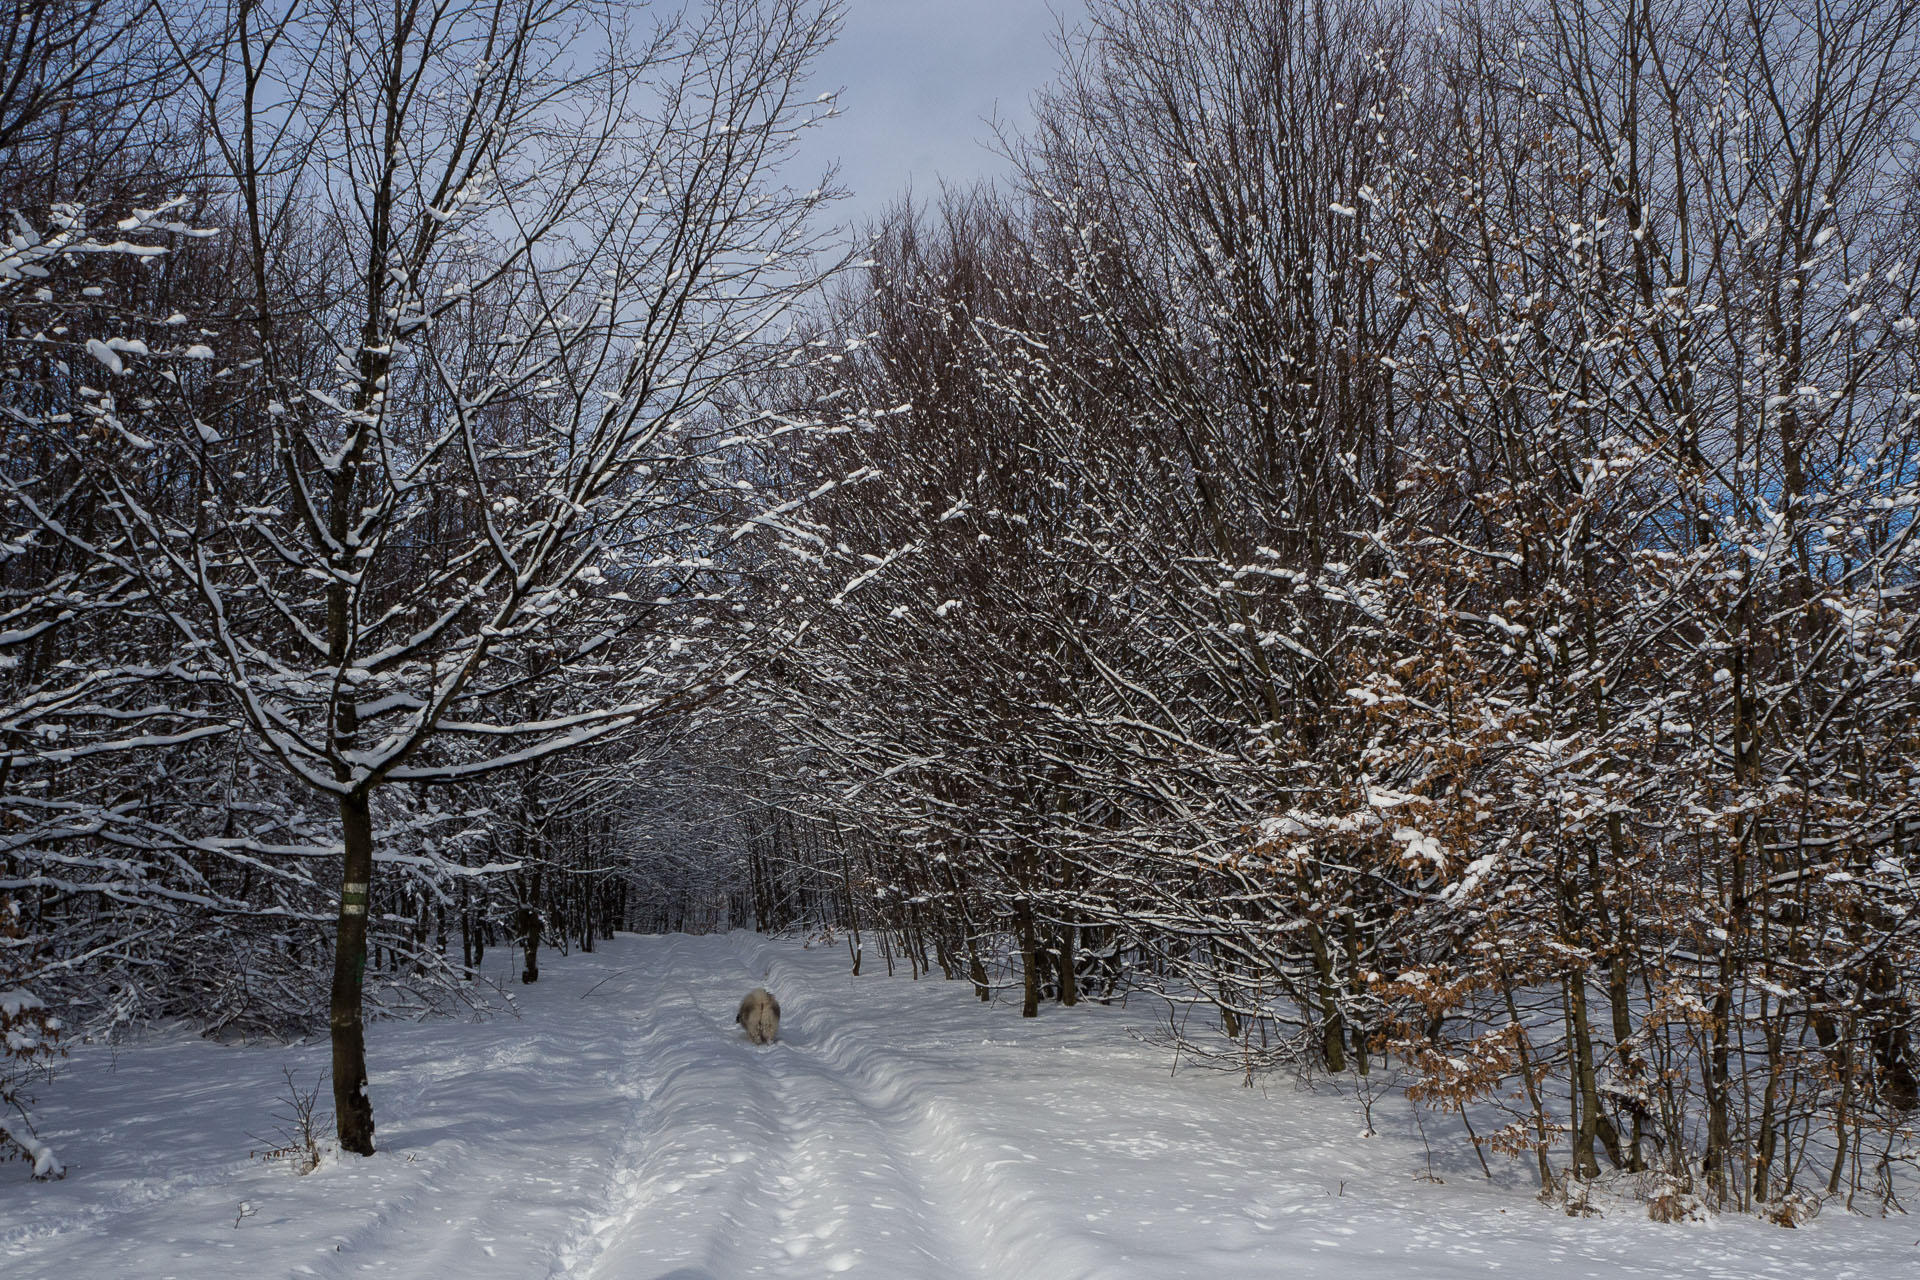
775	1158
622	1128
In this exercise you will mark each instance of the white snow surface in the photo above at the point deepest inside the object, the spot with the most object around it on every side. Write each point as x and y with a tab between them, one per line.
622	1128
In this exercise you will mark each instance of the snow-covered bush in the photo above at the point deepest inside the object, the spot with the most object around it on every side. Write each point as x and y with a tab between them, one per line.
29	1044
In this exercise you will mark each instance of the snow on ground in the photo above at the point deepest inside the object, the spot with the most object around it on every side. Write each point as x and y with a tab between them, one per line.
621	1128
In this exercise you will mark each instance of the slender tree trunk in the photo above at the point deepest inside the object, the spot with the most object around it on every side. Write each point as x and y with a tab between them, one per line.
352	1108
1542	1142
1362	1042
530	930
1614	926
1774	1024
1892	1046
1587	1123
1628	1068
1719	1087
1029	964
1069	983
846	891
1333	1029
1229	1020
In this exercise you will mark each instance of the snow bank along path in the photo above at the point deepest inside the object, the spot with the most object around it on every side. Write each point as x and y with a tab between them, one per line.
622	1127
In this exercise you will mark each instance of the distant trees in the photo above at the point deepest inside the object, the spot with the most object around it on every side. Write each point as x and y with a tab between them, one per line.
1405	536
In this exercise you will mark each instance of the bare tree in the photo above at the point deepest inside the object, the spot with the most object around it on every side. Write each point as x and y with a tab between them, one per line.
455	476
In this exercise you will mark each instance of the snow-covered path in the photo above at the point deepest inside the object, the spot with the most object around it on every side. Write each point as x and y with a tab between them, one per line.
622	1129
758	1161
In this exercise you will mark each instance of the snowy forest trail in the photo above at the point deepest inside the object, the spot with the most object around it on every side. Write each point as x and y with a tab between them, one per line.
621	1128
761	1161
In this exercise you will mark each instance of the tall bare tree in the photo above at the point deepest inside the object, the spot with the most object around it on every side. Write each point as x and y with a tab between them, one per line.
456	473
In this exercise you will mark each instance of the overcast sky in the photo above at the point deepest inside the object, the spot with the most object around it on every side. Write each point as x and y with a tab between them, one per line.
920	80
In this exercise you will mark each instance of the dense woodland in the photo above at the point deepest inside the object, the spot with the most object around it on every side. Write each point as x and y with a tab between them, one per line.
1394	531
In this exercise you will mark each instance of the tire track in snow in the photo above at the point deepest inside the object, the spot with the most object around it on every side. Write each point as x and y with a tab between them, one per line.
681	1189
860	1156
634	1181
587	1240
761	1161
973	1182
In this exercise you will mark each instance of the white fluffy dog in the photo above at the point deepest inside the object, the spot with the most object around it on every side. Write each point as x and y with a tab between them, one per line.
760	1015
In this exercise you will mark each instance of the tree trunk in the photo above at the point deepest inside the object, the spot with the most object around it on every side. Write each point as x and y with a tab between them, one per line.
352	1108
1069	980
1029	964
1718	1088
1585	1092
530	923
1333	1028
